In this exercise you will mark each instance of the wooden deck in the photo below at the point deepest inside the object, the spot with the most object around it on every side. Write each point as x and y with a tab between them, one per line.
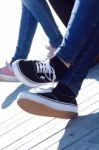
22	131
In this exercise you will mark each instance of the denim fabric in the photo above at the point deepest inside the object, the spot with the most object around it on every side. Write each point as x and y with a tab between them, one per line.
34	11
81	43
27	30
81	25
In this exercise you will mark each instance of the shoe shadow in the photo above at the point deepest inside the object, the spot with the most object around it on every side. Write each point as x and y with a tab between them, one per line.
12	97
78	130
22	88
94	73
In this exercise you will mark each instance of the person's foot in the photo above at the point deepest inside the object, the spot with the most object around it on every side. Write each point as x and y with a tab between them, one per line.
52	52
53	104
33	73
6	74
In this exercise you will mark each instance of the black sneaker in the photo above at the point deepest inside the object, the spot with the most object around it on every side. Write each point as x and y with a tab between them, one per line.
33	73
53	104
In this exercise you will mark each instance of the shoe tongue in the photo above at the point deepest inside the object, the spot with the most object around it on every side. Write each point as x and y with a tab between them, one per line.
57	64
51	64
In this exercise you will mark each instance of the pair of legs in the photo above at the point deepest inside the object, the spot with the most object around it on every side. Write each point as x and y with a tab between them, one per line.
80	47
33	12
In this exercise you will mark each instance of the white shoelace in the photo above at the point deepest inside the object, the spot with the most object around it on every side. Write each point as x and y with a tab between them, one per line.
46	69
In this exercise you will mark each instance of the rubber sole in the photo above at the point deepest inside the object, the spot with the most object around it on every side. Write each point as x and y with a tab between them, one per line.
42	110
5	78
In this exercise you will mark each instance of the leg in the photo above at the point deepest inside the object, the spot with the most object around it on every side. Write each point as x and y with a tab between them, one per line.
27	30
75	75
79	29
42	14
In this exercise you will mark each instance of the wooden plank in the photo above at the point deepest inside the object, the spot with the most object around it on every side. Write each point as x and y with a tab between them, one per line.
21	130
88	92
95	138
84	143
77	138
74	133
35	138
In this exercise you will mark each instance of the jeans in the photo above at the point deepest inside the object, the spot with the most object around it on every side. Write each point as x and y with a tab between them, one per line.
34	11
81	43
79	29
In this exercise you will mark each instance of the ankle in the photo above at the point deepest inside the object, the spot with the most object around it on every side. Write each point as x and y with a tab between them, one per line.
65	90
51	51
56	63
67	64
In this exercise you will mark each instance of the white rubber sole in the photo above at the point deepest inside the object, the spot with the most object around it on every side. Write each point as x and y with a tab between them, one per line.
8	78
